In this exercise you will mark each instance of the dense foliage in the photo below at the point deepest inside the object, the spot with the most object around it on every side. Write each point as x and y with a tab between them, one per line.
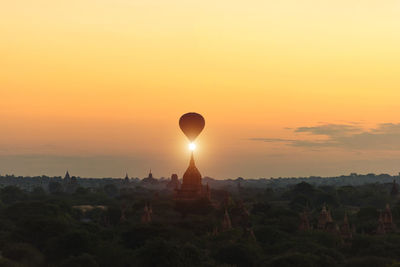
103	227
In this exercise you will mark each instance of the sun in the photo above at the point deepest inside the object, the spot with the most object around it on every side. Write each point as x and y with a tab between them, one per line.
192	146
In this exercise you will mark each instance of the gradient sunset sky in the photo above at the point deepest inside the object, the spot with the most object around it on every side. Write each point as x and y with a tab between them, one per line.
287	88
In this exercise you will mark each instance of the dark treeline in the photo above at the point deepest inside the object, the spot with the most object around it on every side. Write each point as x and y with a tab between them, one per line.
28	183
126	223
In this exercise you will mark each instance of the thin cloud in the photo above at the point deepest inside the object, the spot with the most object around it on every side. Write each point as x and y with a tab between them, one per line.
385	136
272	140
330	129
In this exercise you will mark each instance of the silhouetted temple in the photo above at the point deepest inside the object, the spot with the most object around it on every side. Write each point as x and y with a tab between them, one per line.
385	222
325	222
226	222
324	219
304	221
174	183
345	230
67	177
146	216
126	180
149	179
192	188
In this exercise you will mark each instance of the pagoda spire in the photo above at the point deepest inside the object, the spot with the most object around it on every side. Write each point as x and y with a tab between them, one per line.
146	217
304	221
226	223
345	230
126	180
192	163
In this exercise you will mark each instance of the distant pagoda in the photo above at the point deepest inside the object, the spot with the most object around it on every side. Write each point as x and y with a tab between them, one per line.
385	222
346	232
150	179
67	177
147	214
192	188
304	221
174	182
324	219
226	222
126	179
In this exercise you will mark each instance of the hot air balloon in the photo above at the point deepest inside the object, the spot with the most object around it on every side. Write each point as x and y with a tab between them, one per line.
191	125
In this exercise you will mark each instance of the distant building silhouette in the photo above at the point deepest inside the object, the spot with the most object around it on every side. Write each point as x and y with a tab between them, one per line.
174	183
147	214
126	179
304	221
381	225
385	221
149	179
325	222
227	201
67	177
226	222
324	219
345	230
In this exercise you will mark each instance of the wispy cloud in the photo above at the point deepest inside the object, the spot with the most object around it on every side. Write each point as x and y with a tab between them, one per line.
272	140
384	136
330	129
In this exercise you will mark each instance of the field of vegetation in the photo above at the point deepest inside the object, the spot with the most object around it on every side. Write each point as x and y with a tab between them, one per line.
105	227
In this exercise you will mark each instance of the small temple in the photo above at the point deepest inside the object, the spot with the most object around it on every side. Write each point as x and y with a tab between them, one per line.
385	222
67	177
70	184
304	221
226	222
150	179
146	216
345	231
324	219
192	188
174	182
126	179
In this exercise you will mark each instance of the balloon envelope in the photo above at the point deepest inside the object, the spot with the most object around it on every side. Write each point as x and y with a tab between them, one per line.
191	125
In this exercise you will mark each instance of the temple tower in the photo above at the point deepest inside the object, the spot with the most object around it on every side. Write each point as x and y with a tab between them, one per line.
191	188
147	212
324	218
381	226
126	179
345	230
304	221
174	183
226	222
388	220
67	177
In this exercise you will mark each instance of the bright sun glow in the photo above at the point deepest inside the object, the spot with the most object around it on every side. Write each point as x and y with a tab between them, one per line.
192	146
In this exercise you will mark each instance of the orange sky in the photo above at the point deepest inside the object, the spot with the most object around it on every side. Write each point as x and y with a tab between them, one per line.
97	87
